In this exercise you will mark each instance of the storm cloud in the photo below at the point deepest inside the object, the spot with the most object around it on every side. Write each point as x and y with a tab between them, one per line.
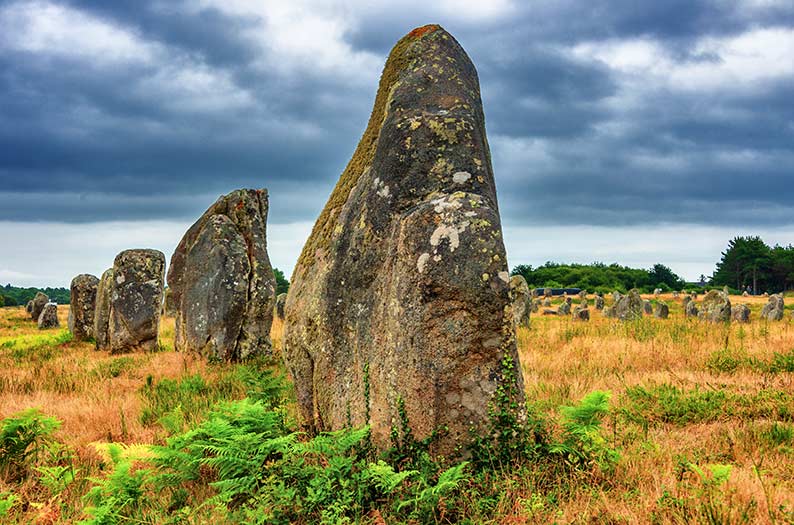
605	114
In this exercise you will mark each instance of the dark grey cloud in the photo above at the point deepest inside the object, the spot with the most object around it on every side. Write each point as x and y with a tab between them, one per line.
575	139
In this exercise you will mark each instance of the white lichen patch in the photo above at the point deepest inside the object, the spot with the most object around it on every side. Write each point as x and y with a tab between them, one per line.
422	262
504	276
447	231
382	187
459	177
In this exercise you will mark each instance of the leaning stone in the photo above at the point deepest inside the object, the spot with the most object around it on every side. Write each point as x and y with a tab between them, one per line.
104	295
221	280
630	306
716	307
519	294
38	304
647	307
662	311
48	318
82	305
135	300
401	295
773	309
581	313
740	313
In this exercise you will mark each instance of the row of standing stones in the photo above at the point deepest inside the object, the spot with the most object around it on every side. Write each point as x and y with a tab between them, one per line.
400	304
715	307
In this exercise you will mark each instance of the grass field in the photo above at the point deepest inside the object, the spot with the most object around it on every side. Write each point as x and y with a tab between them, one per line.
700	425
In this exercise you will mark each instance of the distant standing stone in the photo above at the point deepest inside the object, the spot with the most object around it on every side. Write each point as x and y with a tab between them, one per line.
29	307
564	308
662	311
38	304
581	313
716	307
281	300
535	305
48	318
82	306
740	313
657	292
520	298
583	295
773	309
547	292
690	308
648	307
135	300
630	306
546	302
102	310
599	303
616	296
745	294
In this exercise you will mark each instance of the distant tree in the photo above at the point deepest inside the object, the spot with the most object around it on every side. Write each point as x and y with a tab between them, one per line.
8	301
597	276
282	284
746	260
782	267
661	274
2	301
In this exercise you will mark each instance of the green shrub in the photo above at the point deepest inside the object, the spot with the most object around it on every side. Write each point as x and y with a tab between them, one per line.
23	437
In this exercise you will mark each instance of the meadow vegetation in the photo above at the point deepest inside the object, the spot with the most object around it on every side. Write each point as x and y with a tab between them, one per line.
654	421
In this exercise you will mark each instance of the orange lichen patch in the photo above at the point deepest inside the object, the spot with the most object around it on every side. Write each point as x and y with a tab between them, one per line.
420	31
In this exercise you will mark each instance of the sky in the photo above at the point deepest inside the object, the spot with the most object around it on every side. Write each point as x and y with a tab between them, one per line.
620	131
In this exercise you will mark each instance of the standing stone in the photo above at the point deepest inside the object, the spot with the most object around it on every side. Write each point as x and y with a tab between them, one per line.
534	293
599	302
547	292
135	300
657	292
740	313
546	302
82	305
564	308
104	295
519	294
583	295
647	307
29	307
48	318
581	313
221	280
716	307
568	300
630	306
662	311
401	294
38	304
773	309
281	301
169	307
616	297
690	309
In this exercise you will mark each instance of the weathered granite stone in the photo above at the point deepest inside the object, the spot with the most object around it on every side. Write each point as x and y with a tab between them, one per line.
221	280
773	309
740	313
48	318
82	305
104	295
662	311
564	308
29	307
647	307
630	306
690	309
135	300
38	304
715	307
599	303
519	294
581	313
401	293
616	297
281	301
169	306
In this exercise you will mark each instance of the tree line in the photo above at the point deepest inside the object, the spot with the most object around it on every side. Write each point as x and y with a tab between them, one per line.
600	277
748	263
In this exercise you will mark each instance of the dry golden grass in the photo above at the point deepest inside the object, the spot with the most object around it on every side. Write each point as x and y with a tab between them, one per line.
564	360
98	397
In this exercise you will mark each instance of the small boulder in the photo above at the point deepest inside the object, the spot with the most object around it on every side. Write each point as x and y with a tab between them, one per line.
657	292
675	295
662	311
745	294
773	309
48	318
135	300
716	307
740	313
549	311
38	304
520	298
630	306
82	305
581	313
